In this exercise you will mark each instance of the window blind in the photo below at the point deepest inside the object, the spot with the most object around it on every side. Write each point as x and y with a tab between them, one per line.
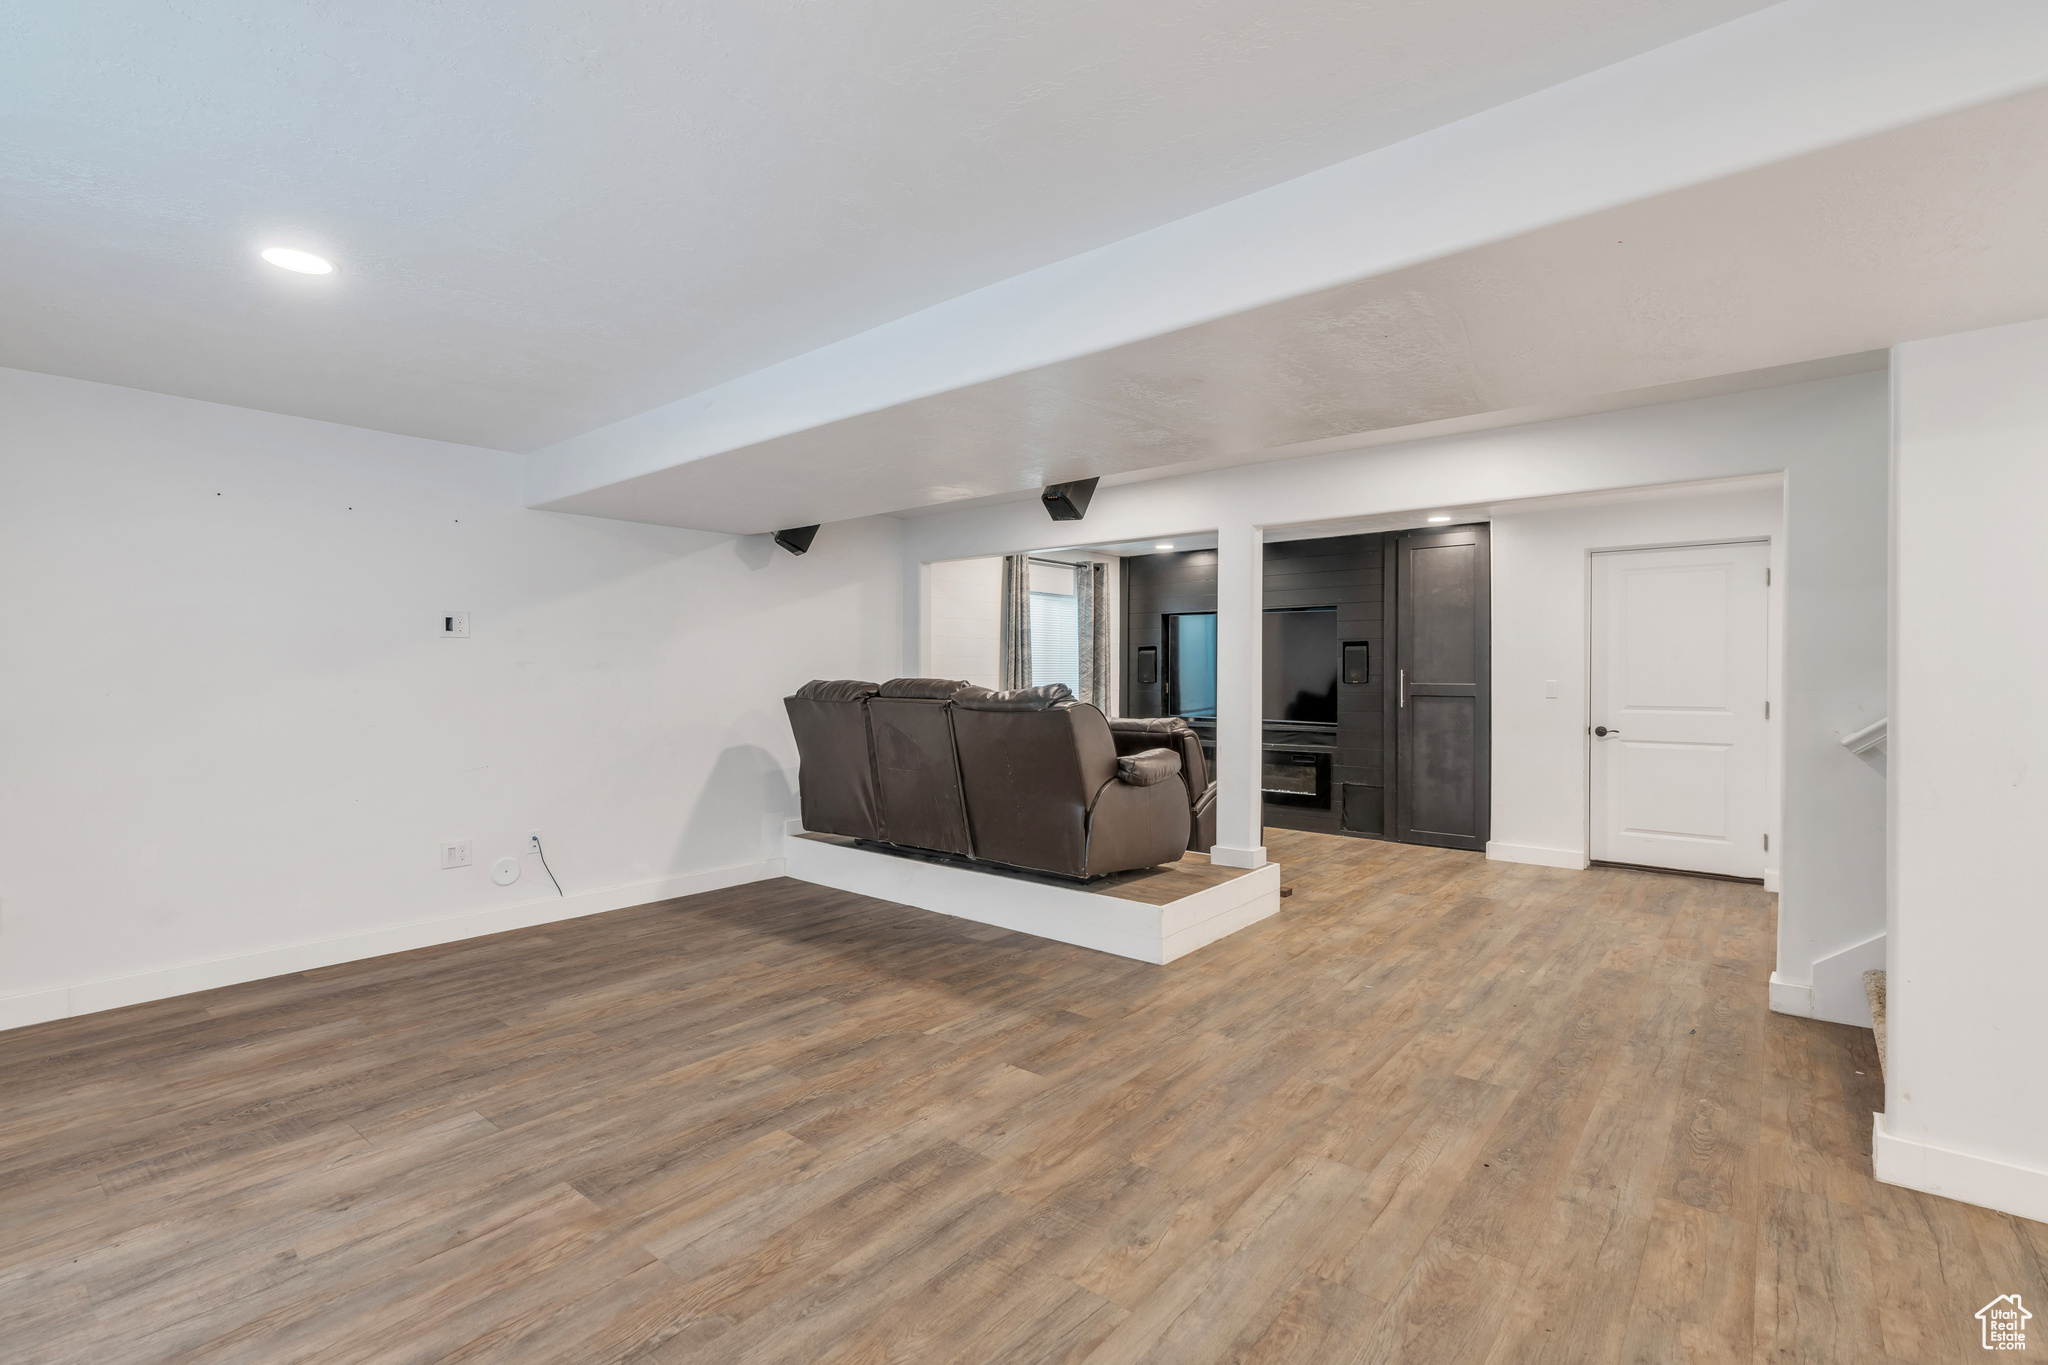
1056	639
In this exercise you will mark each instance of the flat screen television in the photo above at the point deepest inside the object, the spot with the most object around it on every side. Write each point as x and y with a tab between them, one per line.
1301	656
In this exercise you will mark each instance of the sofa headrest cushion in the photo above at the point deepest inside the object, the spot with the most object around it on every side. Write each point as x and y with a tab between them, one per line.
1044	698
923	689
1148	769
842	689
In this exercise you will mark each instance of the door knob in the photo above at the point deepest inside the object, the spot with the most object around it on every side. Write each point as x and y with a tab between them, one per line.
1603	732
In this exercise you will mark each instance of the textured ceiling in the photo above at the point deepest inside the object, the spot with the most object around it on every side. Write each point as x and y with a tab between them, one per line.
1931	229
552	215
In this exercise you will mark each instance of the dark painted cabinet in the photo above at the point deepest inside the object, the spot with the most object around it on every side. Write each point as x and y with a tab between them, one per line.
1442	705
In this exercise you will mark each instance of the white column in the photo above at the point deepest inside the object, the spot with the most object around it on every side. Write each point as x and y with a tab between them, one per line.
1966	1112
1240	730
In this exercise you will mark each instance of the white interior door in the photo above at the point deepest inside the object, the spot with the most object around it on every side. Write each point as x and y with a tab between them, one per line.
1680	641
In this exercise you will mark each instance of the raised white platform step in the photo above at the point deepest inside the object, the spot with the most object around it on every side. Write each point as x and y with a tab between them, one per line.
1154	916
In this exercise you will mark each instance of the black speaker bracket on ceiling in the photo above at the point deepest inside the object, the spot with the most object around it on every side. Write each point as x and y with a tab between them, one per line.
797	539
1069	501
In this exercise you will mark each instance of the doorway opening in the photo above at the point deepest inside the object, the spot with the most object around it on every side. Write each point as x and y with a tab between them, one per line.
1376	676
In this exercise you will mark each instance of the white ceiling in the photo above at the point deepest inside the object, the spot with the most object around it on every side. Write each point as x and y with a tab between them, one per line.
552	215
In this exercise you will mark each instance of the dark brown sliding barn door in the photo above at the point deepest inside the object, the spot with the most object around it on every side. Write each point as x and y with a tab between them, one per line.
1443	701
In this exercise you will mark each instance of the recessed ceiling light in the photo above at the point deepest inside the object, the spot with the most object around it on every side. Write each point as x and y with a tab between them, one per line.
305	262
1439	518
1164	545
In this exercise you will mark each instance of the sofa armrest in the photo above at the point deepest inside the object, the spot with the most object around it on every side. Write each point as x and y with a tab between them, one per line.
1148	769
1134	826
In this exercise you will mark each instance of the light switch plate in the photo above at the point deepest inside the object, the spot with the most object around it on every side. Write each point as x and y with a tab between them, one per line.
455	625
455	854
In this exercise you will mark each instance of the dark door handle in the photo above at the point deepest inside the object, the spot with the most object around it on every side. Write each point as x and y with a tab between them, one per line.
1603	732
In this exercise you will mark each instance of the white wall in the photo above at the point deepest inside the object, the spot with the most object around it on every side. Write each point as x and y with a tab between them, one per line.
1966	1112
1829	439
961	618
965	621
1542	560
233	741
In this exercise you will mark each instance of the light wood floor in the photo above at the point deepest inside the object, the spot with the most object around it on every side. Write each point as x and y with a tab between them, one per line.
1436	1110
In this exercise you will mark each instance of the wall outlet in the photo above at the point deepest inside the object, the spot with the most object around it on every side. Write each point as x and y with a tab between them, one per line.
455	625
455	854
533	841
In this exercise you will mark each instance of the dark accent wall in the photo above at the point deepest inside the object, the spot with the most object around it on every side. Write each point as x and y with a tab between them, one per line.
1155	587
1345	572
1348	573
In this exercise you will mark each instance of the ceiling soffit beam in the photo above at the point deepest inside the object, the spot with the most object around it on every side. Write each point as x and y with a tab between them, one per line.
1783	82
1737	284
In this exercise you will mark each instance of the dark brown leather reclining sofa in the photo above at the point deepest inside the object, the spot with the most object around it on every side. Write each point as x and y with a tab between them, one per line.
1029	778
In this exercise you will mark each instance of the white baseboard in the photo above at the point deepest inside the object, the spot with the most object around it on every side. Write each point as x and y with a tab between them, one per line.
1572	858
87	997
1224	856
1068	914
1771	880
1791	997
1836	991
1981	1180
1838	994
